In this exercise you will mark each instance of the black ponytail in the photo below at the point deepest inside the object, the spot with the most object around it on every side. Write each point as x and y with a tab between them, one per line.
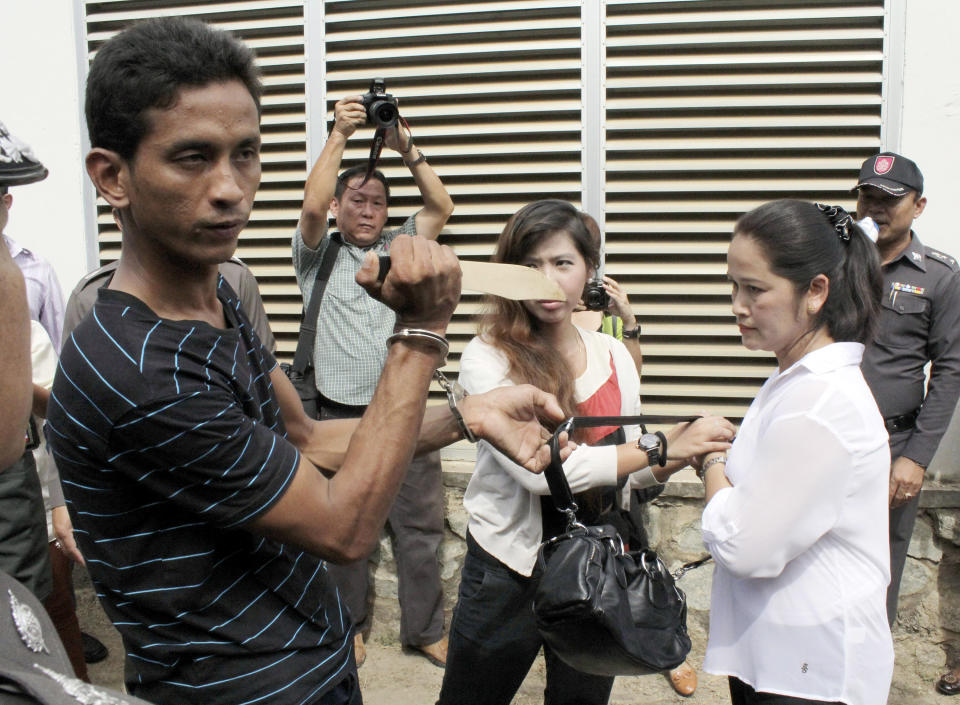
802	240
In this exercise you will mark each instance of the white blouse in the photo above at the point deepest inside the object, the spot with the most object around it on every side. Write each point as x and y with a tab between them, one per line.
800	540
503	498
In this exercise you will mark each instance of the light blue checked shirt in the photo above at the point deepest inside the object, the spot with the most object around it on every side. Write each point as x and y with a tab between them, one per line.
352	331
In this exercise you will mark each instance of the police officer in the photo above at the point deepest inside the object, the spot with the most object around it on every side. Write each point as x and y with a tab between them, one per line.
919	323
23	530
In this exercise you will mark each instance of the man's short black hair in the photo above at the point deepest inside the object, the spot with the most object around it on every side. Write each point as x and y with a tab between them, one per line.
359	170
147	65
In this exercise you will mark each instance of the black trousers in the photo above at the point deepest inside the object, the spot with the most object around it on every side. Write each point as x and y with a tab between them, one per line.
494	640
743	694
902	520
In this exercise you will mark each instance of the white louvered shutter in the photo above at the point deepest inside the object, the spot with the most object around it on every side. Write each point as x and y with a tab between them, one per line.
492	94
713	108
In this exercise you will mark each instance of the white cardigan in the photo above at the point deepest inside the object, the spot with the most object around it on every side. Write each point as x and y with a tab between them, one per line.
503	499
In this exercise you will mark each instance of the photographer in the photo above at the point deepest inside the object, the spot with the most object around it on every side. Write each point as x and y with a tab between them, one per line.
349	353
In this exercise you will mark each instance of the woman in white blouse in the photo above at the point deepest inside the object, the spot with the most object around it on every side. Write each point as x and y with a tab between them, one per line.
493	636
796	514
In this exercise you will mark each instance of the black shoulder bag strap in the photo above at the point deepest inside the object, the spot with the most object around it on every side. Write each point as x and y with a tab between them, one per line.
303	357
557	481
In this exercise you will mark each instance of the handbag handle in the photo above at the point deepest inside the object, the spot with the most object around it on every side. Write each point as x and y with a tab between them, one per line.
557	481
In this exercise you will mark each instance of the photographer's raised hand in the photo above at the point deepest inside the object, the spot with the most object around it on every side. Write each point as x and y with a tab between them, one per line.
348	115
318	192
619	304
400	141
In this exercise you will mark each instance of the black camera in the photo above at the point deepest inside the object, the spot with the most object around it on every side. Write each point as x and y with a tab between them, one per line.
381	107
595	297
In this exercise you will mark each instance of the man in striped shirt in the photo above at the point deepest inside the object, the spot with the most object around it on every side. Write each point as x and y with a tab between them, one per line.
189	468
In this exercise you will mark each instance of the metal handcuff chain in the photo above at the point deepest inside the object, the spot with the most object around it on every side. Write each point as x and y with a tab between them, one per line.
562	493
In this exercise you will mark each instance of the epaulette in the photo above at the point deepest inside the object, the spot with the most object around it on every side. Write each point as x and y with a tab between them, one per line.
99	273
946	259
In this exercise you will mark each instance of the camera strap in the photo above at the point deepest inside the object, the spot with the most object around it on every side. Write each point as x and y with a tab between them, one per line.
376	147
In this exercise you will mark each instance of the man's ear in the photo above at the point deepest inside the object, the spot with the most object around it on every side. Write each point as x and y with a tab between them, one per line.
109	172
919	205
334	208
7	199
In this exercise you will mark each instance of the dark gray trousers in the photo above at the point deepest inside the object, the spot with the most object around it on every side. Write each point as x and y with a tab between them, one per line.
902	519
23	527
416	520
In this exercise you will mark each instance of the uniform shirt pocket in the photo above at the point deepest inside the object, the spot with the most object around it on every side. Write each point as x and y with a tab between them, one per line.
905	320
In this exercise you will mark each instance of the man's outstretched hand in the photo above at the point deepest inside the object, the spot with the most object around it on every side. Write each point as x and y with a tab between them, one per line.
509	419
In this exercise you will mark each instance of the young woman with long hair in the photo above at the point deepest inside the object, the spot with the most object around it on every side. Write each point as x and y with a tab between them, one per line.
493	637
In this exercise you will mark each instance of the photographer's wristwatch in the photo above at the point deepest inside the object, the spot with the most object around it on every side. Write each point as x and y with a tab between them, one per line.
650	444
632	332
421	158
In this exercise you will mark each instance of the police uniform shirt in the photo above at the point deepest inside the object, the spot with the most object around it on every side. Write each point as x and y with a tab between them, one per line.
919	322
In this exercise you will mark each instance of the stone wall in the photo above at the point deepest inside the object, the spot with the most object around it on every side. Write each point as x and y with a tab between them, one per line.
925	636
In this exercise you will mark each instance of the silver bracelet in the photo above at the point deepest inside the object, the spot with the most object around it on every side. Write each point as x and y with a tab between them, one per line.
702	472
455	394
426	335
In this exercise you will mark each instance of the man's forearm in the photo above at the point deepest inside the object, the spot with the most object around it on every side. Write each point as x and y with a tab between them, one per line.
936	412
327	443
382	445
437	204
319	189
41	397
636	353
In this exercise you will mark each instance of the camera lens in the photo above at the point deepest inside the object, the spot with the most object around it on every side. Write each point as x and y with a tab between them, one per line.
595	297
384	113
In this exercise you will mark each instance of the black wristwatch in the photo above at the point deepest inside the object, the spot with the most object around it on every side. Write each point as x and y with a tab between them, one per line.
651	444
632	333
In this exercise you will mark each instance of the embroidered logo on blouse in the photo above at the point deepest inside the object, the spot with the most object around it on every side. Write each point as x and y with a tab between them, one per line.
27	624
803	668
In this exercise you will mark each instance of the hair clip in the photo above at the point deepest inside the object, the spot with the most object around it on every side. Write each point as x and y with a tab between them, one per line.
839	219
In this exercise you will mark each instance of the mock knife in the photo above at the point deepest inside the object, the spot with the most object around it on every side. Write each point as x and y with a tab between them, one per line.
511	281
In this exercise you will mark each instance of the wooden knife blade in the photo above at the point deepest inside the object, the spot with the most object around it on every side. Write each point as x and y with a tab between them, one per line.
511	281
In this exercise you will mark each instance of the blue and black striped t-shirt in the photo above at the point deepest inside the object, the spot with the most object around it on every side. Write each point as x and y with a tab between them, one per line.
169	440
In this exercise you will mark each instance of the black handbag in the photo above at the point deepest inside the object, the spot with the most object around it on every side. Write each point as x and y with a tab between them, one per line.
601	609
301	372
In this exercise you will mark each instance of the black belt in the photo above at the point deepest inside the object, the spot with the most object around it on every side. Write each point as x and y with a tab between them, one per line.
904	422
